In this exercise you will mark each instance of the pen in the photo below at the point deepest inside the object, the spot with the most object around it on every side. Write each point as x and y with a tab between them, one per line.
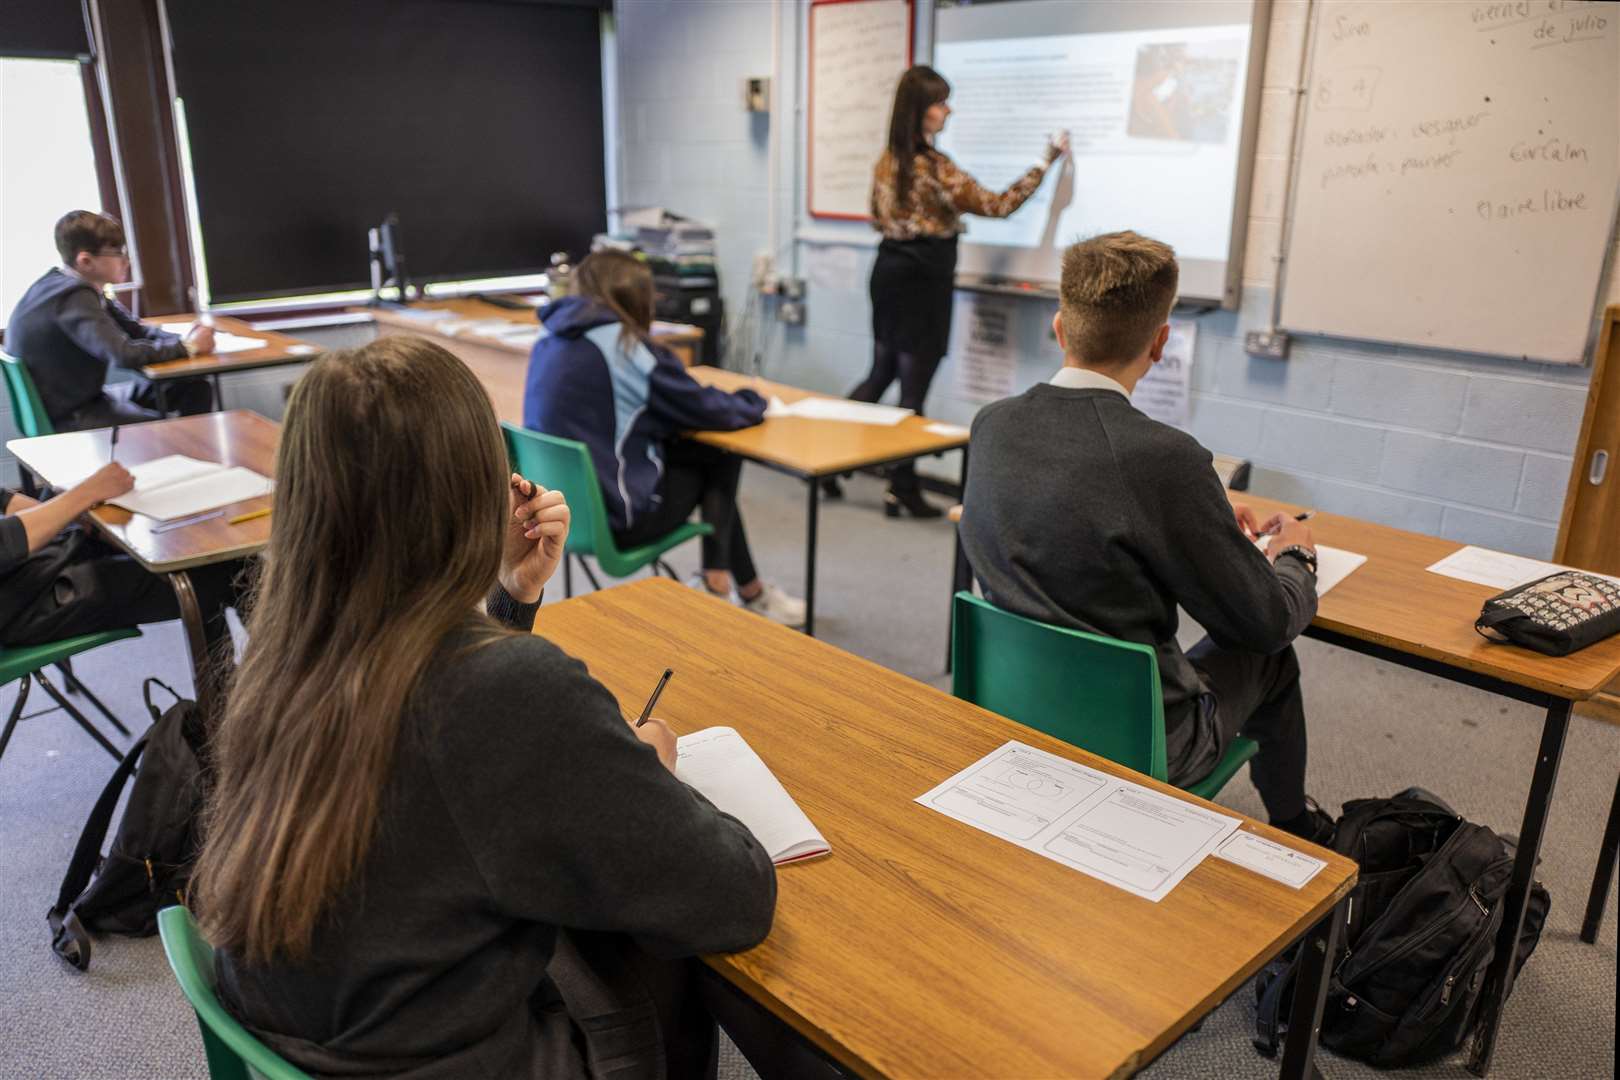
250	516
112	453
1306	516
659	689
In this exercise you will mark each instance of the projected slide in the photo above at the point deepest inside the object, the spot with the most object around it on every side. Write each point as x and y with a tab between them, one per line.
1154	112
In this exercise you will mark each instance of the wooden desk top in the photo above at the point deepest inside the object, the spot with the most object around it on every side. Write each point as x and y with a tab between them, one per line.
238	437
278	349
1393	600
923	947
818	447
469	308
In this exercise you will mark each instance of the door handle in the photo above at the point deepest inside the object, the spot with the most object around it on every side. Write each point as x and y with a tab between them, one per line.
1599	467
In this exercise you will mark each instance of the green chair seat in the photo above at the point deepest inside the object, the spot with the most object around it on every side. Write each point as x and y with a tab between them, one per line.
25	662
17	661
565	465
26	405
1094	692
232	1052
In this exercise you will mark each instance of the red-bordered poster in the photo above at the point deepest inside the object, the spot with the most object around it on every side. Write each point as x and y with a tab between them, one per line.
858	50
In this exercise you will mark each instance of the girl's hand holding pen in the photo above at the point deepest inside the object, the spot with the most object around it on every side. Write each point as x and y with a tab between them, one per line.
536	536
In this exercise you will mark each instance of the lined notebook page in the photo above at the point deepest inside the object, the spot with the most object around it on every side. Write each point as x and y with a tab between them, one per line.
720	764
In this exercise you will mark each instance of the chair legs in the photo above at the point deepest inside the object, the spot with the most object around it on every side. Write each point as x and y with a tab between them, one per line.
74	686
79	717
589	573
669	571
16	713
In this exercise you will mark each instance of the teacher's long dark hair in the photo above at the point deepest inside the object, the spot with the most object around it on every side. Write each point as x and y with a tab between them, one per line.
920	88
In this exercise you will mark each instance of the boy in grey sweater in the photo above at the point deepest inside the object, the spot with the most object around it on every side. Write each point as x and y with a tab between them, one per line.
1083	512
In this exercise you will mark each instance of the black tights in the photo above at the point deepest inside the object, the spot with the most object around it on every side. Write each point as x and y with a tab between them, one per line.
916	374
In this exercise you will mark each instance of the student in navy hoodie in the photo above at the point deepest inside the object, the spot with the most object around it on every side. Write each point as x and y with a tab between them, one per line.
597	377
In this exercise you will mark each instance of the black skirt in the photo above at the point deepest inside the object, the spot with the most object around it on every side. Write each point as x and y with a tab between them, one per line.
912	285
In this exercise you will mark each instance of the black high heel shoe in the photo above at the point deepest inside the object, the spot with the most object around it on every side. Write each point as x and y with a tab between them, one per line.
911	502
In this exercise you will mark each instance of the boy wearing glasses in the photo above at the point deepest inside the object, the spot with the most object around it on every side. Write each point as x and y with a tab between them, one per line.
69	333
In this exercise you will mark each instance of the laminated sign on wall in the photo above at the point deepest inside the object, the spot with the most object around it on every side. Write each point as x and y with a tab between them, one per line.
982	328
1164	391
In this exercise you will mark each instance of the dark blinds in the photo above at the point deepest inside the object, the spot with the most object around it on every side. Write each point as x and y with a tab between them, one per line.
43	29
479	122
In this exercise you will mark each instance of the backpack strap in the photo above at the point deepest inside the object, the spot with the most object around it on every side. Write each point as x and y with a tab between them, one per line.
146	693
1268	1010
68	936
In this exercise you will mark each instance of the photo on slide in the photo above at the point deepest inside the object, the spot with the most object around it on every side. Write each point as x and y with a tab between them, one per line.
1185	90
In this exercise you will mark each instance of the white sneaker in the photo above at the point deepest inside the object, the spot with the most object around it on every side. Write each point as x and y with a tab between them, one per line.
777	606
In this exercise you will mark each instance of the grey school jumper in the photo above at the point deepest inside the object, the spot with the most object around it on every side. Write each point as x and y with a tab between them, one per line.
1083	512
521	810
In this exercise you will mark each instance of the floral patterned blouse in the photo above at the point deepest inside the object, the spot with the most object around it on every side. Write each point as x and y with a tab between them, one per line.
940	194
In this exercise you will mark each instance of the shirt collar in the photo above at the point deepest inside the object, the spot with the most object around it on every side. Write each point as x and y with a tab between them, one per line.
1074	378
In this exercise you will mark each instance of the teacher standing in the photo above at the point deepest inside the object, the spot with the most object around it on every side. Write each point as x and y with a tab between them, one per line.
918	199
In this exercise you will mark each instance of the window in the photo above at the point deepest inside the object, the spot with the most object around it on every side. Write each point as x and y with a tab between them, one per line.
47	166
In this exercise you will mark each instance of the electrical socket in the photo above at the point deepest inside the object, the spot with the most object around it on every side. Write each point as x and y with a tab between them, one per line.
790	288
791	312
1267	344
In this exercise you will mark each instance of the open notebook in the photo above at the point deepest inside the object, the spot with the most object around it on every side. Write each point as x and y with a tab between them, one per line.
178	486
720	764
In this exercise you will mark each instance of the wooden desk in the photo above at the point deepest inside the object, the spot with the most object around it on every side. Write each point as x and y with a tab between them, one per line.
1393	608
278	349
232	438
923	947
502	364
813	449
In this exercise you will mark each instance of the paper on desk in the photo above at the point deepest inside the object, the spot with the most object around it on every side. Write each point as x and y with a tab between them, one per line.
851	412
1117	831
427	315
223	342
952	430
1333	564
1267	857
192	495
1497	569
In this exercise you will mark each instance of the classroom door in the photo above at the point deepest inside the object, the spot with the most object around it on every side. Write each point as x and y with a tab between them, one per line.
1589	534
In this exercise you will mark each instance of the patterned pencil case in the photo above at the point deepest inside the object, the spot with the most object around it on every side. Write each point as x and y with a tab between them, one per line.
1555	615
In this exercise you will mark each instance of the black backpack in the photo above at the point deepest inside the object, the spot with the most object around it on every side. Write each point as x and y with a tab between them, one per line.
1420	933
149	863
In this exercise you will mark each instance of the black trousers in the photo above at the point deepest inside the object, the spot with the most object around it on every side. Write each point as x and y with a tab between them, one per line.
698	477
138	401
916	374
107	590
1258	696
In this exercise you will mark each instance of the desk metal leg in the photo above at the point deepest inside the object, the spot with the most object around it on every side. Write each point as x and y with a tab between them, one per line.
1317	951
1499	981
811	513
961	572
1605	873
196	641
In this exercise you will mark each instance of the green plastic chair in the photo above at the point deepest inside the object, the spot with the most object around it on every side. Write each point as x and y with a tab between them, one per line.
1094	692
29	661
565	465
26	405
233	1053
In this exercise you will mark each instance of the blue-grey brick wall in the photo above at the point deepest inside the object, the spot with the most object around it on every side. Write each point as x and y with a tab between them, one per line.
1472	448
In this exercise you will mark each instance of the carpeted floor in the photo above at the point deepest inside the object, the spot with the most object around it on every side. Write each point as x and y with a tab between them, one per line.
883	585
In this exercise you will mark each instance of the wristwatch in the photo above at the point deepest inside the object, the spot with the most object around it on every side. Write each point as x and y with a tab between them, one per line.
1302	553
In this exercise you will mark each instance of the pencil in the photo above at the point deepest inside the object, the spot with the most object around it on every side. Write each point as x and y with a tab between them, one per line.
659	689
250	516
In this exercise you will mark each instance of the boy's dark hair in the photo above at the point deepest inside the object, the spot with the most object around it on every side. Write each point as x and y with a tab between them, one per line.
1117	290
85	230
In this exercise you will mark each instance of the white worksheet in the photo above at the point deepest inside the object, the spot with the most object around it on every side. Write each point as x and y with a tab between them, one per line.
1117	831
720	763
1497	569
952	430
223	342
1333	564
852	412
1276	861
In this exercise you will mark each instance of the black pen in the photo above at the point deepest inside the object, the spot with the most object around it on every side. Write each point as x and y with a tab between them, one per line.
112	452
659	689
1306	516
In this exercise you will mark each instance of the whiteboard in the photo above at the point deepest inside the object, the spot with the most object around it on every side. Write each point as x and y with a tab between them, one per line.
1456	181
858	51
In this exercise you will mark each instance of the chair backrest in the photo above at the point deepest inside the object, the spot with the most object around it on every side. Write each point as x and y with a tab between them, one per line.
233	1053
565	465
26	406
1094	692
